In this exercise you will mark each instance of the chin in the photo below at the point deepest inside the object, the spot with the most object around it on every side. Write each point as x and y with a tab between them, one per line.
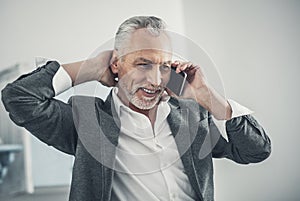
144	104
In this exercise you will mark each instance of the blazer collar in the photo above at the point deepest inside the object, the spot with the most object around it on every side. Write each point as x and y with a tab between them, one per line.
184	135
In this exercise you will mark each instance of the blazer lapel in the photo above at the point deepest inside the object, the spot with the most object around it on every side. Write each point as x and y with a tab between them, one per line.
110	130
109	120
184	135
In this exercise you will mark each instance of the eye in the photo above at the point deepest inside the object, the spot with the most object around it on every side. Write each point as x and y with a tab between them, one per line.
144	65
165	68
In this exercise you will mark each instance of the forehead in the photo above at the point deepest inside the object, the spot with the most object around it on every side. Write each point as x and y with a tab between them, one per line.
143	39
153	55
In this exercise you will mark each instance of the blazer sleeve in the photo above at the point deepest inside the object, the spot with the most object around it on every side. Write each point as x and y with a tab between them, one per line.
247	141
31	104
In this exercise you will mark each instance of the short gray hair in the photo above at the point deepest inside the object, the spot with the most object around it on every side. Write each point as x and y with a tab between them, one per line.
153	24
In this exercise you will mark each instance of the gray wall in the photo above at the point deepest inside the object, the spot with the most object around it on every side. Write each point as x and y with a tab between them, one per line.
256	47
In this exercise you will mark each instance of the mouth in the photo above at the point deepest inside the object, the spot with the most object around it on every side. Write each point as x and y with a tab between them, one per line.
150	92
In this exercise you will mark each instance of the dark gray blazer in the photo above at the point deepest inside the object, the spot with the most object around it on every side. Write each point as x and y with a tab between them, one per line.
87	127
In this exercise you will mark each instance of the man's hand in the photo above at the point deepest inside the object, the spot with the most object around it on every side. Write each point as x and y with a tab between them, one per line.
96	68
199	90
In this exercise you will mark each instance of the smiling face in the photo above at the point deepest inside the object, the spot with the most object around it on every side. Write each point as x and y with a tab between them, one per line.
144	71
143	76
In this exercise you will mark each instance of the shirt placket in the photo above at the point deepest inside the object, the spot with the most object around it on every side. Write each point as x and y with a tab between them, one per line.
164	165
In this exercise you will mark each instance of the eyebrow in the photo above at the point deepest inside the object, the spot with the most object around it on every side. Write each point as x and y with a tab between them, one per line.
142	59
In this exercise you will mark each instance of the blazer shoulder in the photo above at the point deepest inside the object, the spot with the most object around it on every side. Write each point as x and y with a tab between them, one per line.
82	99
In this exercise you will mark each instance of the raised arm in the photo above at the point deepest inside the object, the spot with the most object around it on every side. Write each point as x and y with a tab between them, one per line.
96	68
247	140
31	104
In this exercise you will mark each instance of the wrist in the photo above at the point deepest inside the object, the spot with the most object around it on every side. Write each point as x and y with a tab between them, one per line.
216	104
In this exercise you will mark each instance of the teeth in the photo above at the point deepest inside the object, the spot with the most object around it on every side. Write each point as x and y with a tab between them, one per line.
149	91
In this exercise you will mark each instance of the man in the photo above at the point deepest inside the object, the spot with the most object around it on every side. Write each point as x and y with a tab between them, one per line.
143	142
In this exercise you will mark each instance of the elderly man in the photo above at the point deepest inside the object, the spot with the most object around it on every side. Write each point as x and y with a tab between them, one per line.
142	142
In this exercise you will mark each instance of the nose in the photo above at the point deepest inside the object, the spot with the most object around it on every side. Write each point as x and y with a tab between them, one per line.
154	77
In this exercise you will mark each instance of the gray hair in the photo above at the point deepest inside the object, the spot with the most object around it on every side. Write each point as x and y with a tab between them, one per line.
153	24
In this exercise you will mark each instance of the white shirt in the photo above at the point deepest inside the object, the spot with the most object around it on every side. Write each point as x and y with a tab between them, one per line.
148	166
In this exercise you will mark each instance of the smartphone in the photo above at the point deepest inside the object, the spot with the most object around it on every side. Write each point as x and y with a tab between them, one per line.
177	82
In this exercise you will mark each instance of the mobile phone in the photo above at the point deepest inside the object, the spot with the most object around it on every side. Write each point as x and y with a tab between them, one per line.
177	82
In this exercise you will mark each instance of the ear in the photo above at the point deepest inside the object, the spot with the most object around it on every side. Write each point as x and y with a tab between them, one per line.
114	62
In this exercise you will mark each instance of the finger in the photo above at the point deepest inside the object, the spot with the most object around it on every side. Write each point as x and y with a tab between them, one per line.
175	65
108	78
185	66
180	67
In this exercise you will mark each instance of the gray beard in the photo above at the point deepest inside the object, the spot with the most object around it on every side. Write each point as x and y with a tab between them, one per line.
144	104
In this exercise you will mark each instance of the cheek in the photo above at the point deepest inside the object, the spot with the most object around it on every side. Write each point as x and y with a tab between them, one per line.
165	79
138	77
133	78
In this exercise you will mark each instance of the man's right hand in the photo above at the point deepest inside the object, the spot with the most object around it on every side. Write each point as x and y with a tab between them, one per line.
96	68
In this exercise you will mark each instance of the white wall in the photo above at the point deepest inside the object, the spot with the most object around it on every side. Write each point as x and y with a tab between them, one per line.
67	31
256	47
70	30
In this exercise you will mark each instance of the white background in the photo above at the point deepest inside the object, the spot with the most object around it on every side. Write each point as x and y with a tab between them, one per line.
255	45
